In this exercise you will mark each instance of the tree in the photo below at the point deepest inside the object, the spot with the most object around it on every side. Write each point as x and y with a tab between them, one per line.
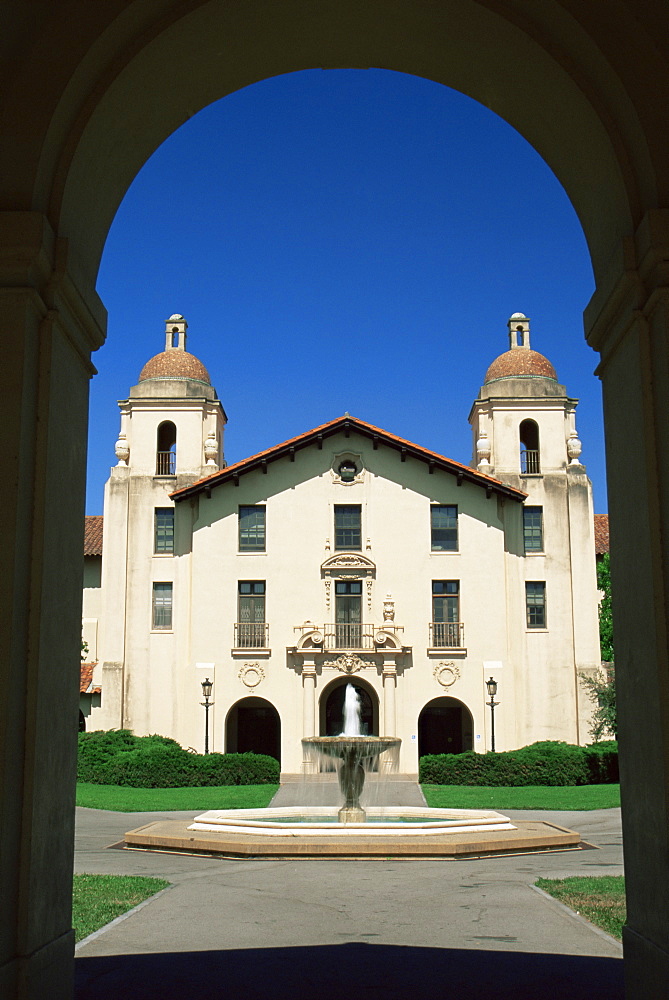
84	649
602	687
605	613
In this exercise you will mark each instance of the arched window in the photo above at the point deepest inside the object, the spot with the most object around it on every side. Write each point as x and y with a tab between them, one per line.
529	449
166	452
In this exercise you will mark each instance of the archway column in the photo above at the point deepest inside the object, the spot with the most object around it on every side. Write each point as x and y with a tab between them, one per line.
47	331
628	322
308	709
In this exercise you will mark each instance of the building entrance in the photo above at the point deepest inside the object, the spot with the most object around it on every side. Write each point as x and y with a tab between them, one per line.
444	726
253	726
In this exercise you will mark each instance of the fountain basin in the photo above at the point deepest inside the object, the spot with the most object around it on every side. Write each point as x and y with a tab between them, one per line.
274	834
356	753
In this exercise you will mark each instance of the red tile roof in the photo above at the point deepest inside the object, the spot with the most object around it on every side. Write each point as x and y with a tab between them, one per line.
601	534
93	535
86	679
348	423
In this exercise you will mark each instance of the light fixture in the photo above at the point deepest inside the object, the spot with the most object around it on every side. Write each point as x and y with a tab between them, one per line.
207	686
491	685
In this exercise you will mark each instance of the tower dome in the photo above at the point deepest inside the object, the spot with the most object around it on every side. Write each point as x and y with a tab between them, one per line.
520	361
175	362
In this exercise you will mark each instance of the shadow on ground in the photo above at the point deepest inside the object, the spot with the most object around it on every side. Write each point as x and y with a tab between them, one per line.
355	971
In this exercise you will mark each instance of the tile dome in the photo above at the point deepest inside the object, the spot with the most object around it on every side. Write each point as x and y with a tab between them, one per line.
520	363
174	363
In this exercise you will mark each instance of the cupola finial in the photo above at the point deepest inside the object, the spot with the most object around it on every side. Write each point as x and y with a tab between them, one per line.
519	331
175	333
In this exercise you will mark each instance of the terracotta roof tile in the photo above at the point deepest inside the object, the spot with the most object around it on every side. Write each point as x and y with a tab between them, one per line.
86	678
333	426
520	362
601	534
93	535
174	364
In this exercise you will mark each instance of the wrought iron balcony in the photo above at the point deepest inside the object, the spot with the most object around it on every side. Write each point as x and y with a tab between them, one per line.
447	635
350	635
529	462
166	463
251	635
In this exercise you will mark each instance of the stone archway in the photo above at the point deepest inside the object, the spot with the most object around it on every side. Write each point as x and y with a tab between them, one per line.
87	97
445	725
331	707
253	726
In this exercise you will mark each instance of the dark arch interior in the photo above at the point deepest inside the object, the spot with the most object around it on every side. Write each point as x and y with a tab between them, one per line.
253	726
332	710
445	725
529	447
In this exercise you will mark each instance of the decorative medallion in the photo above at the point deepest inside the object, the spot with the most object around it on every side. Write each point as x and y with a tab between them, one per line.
251	674
446	672
348	663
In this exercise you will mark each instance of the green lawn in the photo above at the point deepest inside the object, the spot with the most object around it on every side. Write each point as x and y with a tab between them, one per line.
600	899
531	797
97	899
121	798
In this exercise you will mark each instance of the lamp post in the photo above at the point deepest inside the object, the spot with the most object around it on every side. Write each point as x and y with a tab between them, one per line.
206	704
492	691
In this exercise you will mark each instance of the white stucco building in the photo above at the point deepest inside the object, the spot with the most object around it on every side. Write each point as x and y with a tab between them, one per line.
344	554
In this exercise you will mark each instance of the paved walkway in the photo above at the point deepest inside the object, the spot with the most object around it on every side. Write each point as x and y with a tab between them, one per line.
364	930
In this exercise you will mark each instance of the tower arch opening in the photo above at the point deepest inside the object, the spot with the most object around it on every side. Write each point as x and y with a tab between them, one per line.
530	458
166	449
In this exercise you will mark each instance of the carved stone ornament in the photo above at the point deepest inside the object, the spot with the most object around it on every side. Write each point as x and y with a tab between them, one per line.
211	449
574	448
446	673
251	674
348	561
388	609
122	450
328	585
347	469
348	663
483	448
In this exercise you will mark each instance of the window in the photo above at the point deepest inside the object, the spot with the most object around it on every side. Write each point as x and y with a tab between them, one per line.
162	605
535	605
444	525
529	449
533	529
348	526
251	628
252	529
163	530
447	631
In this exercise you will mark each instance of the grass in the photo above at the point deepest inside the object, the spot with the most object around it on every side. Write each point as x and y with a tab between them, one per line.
98	899
600	899
121	798
568	797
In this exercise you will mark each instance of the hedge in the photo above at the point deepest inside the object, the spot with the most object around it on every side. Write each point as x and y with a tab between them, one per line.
546	763
117	757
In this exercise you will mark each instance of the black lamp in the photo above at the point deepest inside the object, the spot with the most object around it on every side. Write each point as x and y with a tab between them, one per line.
207	686
491	685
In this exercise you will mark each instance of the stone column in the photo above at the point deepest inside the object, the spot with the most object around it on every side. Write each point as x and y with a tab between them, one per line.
308	709
47	331
629	325
389	717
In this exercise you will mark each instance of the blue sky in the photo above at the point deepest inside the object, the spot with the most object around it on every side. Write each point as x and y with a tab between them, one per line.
344	240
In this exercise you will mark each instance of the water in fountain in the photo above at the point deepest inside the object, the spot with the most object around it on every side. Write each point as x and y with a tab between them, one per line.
351	712
353	753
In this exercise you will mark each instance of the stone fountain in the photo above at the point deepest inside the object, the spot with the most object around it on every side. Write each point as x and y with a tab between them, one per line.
357	754
309	832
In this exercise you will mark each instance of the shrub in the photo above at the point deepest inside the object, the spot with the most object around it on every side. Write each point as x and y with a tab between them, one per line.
545	763
117	757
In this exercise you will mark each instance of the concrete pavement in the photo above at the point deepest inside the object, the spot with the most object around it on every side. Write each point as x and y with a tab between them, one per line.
361	929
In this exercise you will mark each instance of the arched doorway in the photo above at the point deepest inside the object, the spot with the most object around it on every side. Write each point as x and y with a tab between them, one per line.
87	129
332	708
445	725
253	726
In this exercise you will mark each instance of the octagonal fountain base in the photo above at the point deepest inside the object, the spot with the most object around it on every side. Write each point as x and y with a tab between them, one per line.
400	832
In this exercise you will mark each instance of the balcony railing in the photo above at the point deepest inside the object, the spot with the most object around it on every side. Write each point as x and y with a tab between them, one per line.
251	635
166	463
348	635
529	463
447	635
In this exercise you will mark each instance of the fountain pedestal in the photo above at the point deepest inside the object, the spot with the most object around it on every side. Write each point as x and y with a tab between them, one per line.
352	751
